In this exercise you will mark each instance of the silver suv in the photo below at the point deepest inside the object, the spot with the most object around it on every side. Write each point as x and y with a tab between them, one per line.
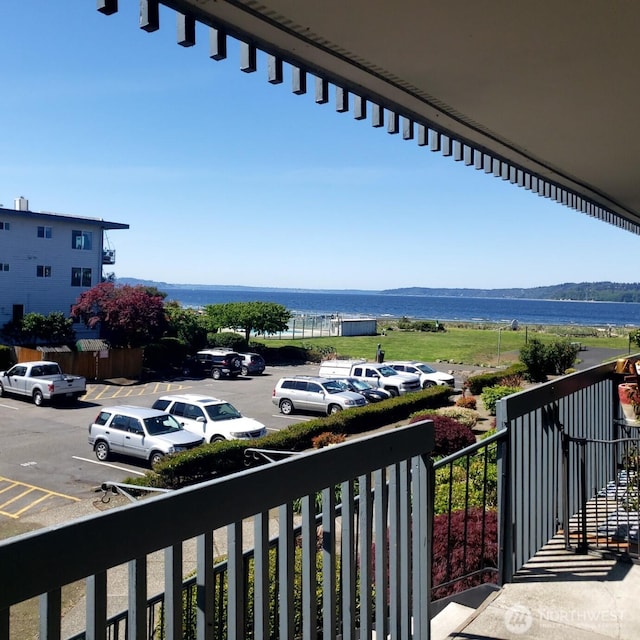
215	419
139	432
308	393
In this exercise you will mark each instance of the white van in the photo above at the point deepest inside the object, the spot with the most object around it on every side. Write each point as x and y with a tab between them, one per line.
375	373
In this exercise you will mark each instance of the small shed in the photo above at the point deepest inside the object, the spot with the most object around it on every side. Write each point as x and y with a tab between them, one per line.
354	327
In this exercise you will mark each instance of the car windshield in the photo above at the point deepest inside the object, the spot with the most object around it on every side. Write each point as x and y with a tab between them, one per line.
387	371
346	385
425	368
222	411
360	385
159	425
333	386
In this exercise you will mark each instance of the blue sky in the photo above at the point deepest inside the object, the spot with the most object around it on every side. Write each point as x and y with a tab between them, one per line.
226	179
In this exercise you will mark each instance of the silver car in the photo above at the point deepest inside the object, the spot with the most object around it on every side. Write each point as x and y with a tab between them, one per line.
140	433
308	393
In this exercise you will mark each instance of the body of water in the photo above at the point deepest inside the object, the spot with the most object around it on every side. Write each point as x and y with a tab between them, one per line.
525	312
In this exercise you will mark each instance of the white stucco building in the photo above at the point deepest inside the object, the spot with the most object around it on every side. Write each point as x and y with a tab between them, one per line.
48	259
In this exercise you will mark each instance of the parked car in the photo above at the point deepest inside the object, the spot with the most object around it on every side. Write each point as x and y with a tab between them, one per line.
217	363
215	419
309	393
429	377
375	373
251	363
140	433
41	380
371	393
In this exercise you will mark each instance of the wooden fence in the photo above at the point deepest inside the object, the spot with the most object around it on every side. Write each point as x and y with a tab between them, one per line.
93	365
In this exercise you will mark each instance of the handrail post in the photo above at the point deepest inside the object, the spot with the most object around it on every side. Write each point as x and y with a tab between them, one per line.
505	530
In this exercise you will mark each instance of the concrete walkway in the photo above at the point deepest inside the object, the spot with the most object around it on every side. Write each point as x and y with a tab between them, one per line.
564	596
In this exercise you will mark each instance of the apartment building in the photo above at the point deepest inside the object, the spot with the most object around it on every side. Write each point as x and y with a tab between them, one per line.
48	259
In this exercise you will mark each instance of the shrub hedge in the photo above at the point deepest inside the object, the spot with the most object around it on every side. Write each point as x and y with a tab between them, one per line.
477	383
221	458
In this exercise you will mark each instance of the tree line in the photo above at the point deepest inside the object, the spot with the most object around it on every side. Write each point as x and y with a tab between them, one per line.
587	291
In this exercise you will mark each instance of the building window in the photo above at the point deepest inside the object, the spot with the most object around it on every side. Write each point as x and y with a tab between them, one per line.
4	266
5	226
80	277
81	240
45	232
43	271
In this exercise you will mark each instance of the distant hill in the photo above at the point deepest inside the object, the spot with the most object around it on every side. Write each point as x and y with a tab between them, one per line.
167	286
581	291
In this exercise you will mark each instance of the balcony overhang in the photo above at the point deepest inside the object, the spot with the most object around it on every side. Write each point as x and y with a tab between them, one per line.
539	94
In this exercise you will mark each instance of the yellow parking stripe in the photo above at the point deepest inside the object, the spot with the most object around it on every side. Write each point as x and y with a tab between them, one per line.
101	392
24	491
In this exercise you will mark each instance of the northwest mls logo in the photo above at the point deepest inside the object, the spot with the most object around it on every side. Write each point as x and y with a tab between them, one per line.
518	619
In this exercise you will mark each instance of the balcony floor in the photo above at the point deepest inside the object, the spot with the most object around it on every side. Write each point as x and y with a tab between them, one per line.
560	594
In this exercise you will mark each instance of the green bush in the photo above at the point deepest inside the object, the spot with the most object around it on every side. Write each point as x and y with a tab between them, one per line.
561	355
491	395
420	325
227	340
548	359
477	383
534	357
466	484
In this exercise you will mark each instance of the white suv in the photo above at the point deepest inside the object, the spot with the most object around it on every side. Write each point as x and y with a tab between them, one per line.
308	393
212	418
428	377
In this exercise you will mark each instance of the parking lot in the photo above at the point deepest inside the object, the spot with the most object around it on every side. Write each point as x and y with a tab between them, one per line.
45	459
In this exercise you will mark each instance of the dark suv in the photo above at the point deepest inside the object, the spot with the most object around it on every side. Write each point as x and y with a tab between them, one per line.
217	363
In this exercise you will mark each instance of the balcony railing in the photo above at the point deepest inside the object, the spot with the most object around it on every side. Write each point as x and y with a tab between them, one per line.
353	548
367	567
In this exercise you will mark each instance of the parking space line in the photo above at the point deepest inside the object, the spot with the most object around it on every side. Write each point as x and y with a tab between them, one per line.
106	464
24	491
98	392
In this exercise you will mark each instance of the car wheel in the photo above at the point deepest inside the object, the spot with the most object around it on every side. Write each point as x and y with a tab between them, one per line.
215	439
186	371
102	451
334	408
428	384
216	374
286	407
37	398
156	456
1	390
393	391
244	371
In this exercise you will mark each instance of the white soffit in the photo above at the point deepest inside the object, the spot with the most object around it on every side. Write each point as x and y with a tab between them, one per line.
541	94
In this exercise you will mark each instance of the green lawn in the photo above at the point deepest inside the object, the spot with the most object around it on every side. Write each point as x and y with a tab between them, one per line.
475	346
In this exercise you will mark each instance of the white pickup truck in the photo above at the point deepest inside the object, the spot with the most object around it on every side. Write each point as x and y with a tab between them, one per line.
41	381
377	374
